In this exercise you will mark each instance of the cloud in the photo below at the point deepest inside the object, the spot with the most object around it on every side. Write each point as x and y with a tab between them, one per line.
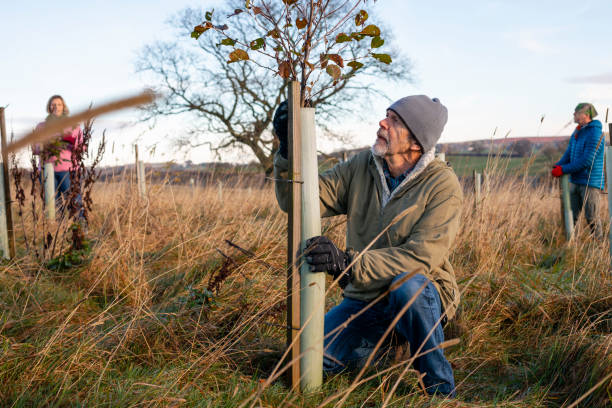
529	42
597	93
535	40
605	78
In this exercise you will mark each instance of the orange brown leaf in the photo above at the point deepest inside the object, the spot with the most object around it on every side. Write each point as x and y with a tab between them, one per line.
337	59
371	31
284	69
333	71
238	55
361	17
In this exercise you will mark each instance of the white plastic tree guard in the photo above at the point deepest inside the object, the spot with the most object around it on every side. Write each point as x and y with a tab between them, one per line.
49	184
568	217
312	291
142	181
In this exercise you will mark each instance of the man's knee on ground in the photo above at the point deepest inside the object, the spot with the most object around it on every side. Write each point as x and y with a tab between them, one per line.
407	290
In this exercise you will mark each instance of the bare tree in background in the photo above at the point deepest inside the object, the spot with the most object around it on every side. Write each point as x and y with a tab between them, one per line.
553	151
522	147
232	105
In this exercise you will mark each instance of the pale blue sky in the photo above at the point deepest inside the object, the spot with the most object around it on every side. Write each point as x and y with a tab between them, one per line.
497	63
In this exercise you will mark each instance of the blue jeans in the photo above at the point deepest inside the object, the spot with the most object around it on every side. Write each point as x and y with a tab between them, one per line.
351	347
62	192
62	186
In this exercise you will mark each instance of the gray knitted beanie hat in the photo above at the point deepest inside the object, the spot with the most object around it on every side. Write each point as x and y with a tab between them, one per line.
424	117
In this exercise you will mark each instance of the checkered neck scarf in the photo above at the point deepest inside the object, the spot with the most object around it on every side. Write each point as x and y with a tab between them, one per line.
393	182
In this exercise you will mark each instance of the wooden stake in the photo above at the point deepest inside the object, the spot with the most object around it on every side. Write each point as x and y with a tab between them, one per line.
136	166
477	189
295	232
7	186
140	175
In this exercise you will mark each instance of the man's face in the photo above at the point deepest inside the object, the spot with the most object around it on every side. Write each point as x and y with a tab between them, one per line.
393	137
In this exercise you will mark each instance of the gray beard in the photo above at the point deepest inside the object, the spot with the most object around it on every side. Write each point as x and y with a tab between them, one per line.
379	150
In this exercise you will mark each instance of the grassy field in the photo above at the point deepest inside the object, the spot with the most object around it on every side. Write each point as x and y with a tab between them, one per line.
535	165
164	312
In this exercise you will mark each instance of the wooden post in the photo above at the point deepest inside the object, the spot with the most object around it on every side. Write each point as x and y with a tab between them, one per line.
312	309
49	184
220	190
142	180
140	175
567	208
4	241
477	189
136	165
7	186
295	231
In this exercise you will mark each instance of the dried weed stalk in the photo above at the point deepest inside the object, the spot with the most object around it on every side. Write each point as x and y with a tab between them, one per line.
46	239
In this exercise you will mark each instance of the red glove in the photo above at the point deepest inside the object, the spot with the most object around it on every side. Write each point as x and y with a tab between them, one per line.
557	171
69	138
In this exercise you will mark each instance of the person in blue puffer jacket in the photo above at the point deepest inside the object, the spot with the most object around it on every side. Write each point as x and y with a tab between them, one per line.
583	161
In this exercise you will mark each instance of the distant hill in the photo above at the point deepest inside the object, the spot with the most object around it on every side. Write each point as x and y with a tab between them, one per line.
536	140
509	146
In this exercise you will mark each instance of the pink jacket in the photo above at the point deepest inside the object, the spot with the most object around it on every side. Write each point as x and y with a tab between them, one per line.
72	137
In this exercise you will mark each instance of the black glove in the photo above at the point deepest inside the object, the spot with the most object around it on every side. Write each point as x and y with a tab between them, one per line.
281	128
323	256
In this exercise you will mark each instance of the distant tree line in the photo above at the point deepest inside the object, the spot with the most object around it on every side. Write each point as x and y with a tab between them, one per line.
518	148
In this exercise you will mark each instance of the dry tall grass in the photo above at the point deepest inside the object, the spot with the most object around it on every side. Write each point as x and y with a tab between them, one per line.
166	312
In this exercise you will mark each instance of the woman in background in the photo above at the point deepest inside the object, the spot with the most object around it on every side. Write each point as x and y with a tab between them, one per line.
59	151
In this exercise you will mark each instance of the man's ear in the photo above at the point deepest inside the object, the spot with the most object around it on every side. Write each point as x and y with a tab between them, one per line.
415	147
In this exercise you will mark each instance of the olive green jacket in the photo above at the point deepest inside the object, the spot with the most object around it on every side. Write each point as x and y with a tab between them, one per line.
419	241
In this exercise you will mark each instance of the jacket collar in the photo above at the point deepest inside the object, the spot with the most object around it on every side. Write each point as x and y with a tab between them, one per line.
594	123
423	162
